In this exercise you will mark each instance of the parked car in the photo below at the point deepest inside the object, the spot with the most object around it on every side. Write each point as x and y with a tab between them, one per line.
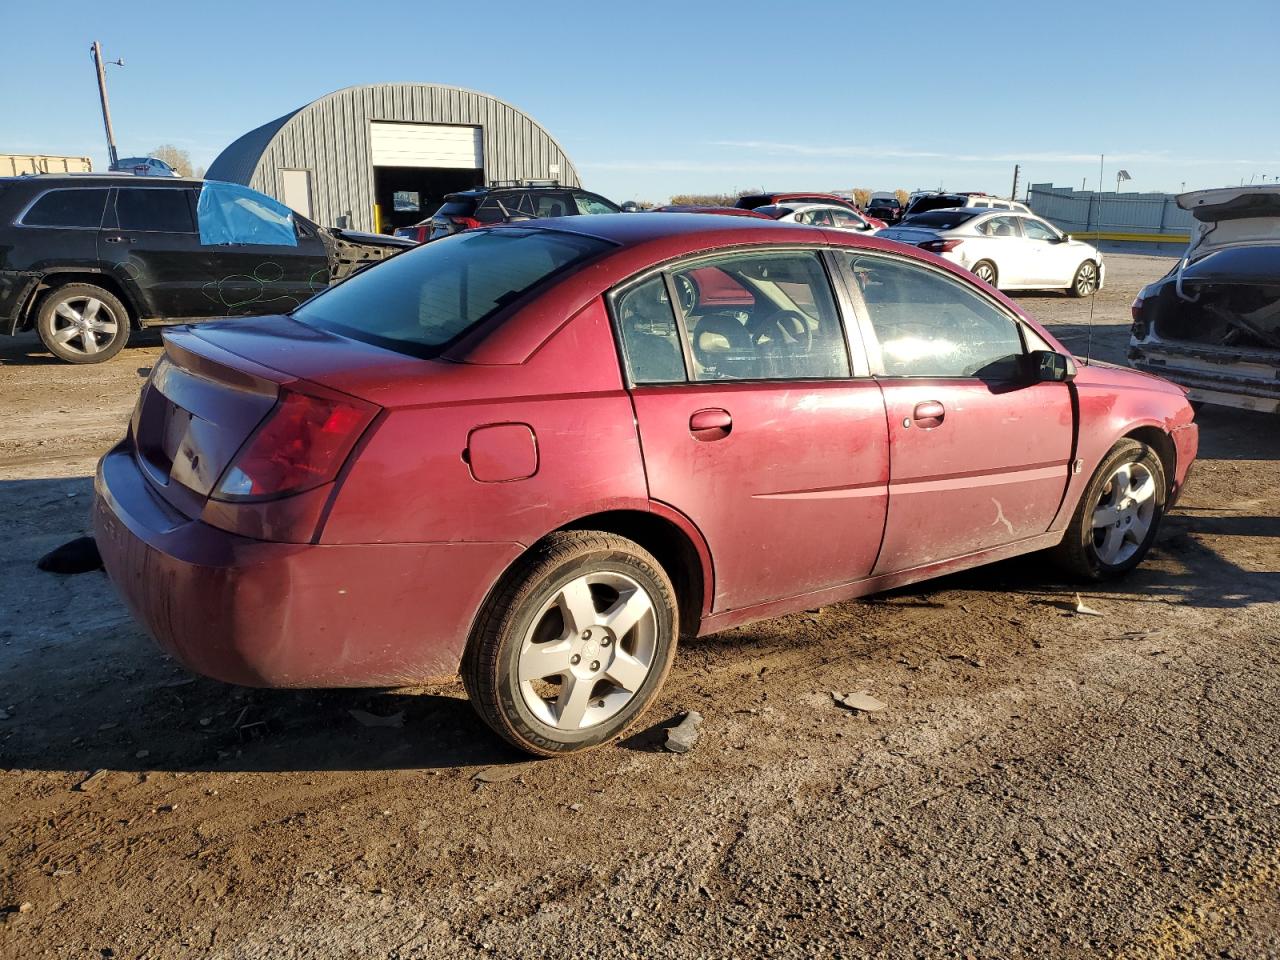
886	208
978	201
538	454
819	215
717	211
1011	251
86	259
144	167
485	206
1212	323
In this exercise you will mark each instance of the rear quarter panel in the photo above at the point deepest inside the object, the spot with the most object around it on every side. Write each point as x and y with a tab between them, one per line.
411	482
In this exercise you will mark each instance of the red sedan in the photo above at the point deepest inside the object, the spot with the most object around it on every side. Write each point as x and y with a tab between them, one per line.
539	454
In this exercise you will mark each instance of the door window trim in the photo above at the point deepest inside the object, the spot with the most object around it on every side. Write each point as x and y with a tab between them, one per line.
857	355
875	357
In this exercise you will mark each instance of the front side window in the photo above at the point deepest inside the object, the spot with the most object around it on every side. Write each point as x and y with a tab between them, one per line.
418	301
589	204
229	213
159	210
929	325
650	339
847	219
761	316
68	208
1035	230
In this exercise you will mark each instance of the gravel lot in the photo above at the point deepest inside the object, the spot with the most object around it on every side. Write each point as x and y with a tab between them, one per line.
1041	783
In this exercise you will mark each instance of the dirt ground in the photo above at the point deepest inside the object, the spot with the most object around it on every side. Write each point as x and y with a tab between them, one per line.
1041	783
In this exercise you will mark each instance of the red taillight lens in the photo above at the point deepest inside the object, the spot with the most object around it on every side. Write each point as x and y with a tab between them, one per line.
302	444
940	246
1136	308
464	223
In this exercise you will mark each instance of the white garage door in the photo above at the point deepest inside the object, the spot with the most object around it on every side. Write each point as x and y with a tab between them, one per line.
426	145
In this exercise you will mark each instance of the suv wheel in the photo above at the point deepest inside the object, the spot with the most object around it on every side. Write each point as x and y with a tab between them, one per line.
574	643
82	323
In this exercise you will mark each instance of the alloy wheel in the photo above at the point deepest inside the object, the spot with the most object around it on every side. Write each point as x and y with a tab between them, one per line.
1124	513
84	325
1086	279
588	651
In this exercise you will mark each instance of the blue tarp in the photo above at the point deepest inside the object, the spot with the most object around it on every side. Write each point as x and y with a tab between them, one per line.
231	213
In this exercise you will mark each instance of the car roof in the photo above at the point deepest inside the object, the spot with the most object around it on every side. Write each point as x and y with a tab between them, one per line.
113	178
642	243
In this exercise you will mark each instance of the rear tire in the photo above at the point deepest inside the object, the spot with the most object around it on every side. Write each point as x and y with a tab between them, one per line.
573	644
82	323
1085	282
1118	515
985	271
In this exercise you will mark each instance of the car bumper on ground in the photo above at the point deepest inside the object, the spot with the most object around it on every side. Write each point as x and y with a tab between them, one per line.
288	615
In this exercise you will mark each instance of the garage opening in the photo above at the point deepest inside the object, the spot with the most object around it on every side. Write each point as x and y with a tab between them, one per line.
416	164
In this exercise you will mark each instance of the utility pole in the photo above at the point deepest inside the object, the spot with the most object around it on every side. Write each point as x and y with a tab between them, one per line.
1016	169
102	94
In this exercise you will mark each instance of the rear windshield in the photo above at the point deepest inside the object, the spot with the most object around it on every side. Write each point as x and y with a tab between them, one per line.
938	219
419	301
937	203
456	207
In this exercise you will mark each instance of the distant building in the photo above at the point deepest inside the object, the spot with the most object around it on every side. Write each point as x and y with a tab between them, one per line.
386	154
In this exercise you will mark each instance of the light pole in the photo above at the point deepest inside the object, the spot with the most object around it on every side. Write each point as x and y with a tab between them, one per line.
96	49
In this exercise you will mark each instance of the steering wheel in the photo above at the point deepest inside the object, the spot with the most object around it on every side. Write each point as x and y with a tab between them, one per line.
687	292
784	327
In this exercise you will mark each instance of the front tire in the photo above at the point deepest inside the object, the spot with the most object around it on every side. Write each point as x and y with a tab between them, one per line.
1085	282
1118	515
82	323
573	644
985	271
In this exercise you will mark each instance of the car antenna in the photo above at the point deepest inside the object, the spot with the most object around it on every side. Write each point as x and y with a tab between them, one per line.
1088	350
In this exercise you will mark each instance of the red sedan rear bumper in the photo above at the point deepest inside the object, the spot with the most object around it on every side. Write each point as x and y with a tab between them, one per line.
284	614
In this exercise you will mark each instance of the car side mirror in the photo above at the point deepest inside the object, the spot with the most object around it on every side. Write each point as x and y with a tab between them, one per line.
1049	366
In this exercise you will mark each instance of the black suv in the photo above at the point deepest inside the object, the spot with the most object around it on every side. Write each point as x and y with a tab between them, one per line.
888	209
86	258
502	203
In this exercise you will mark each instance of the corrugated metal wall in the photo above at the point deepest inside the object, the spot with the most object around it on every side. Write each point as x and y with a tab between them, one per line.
1078	211
330	137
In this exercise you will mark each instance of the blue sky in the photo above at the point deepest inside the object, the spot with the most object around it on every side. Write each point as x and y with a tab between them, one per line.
655	98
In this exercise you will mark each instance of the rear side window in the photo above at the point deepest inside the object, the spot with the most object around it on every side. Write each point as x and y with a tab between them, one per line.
553	204
928	325
420	300
68	208
157	210
784	326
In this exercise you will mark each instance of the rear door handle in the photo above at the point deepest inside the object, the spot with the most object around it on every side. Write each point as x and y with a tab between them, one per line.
118	239
711	424
928	414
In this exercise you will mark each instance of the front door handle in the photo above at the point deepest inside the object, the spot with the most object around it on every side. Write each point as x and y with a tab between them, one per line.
711	424
928	414
118	239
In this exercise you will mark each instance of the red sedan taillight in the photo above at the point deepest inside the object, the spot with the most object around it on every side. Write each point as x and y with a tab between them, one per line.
940	246
302	444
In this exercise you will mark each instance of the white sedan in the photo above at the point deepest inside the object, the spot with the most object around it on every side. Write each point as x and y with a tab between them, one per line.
819	215
1007	249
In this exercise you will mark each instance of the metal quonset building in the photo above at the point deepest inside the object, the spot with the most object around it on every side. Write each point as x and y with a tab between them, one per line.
386	154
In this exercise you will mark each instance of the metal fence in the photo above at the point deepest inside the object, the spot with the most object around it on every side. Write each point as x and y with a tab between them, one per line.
1151	217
